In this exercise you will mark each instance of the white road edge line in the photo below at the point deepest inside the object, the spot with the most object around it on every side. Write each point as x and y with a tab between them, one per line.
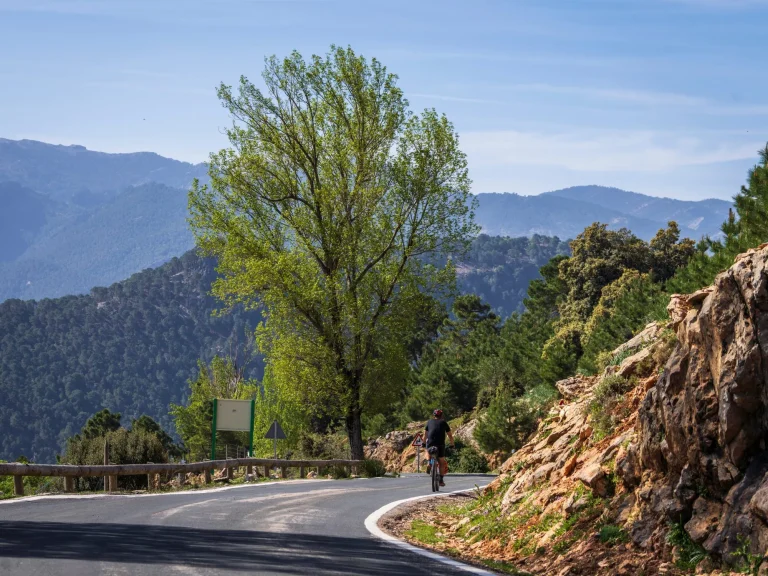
64	496
372	525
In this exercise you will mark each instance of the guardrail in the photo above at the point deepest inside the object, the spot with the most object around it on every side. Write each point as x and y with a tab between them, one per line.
110	472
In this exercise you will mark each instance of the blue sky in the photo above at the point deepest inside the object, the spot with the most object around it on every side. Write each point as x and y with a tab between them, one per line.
664	97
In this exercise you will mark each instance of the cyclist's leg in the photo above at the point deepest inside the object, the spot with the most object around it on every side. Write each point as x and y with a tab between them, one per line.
443	462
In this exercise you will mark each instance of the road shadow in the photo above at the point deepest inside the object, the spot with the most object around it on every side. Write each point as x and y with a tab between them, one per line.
235	550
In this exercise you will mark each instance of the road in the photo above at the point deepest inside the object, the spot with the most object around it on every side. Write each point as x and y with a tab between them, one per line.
280	528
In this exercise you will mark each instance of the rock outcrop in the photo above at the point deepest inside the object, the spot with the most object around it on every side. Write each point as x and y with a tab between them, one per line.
702	428
682	443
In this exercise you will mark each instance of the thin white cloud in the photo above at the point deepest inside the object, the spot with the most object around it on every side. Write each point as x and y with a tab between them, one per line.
600	150
448	98
644	98
614	94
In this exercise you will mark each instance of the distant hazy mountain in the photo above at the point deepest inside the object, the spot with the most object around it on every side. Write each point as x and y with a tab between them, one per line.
71	218
23	213
66	172
567	212
695	218
58	248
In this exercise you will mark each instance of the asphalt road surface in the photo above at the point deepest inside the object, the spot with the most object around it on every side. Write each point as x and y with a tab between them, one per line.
309	527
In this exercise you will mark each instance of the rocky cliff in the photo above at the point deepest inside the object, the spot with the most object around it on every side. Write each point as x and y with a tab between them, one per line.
657	466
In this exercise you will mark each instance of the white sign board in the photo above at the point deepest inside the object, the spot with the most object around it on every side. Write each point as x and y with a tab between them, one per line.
234	415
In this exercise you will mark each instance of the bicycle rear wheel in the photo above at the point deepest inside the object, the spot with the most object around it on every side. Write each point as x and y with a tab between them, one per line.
435	475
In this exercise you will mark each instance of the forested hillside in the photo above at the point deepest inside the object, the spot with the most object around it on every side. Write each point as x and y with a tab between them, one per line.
499	268
130	348
133	346
67	248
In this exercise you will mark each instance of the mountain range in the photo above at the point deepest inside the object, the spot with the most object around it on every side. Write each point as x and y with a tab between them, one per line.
72	218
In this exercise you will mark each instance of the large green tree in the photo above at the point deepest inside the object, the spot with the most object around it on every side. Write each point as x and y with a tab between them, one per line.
322	211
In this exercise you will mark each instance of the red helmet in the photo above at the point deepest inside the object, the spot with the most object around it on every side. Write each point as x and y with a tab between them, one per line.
438	413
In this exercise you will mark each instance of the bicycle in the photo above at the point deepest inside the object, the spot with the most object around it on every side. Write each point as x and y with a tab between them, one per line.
434	463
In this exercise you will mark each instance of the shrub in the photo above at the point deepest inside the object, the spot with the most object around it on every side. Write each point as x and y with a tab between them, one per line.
612	535
510	420
465	458
125	447
607	395
32	484
689	553
338	472
373	468
332	446
472	462
377	425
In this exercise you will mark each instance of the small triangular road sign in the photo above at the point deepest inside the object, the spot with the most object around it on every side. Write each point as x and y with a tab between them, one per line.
418	441
275	432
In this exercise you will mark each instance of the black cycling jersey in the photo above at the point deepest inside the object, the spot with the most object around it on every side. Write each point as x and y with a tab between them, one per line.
436	431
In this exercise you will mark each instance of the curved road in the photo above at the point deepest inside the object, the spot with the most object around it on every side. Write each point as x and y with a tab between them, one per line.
280	528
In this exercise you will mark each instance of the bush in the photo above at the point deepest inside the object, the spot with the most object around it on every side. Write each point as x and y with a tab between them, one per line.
333	446
608	393
125	447
32	484
378	425
690	554
509	420
612	535
472	462
465	458
338	472
373	468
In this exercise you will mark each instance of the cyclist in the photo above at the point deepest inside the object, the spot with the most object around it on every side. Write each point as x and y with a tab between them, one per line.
436	429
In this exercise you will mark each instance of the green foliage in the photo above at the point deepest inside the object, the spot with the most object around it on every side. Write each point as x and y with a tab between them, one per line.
748	563
607	395
32	484
612	535
606	273
322	212
148	425
338	472
510	420
101	423
326	446
125	447
470	461
373	468
499	269
130	348
690	553
194	421
744	229
625	307
423	532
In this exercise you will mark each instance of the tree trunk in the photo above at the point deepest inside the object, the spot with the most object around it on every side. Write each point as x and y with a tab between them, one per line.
355	432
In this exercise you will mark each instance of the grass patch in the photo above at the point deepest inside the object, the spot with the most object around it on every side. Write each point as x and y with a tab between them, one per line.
423	532
610	534
607	396
690	552
505	567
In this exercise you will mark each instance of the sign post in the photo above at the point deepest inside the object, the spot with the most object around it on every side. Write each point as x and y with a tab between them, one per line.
213	429
418	442
276	433
232	415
